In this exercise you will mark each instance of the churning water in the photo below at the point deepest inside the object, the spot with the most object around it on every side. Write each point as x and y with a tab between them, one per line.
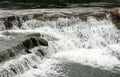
76	48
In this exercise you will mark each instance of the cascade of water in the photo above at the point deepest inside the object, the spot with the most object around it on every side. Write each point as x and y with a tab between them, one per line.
87	42
20	58
18	66
84	42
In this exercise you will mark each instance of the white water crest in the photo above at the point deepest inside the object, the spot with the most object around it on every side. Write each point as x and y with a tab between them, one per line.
91	42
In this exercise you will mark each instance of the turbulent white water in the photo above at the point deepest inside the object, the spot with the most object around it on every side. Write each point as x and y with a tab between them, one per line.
93	43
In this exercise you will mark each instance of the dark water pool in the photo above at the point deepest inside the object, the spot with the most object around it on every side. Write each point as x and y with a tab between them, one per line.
33	4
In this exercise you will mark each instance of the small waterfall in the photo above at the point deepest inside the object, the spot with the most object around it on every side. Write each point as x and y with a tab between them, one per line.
19	66
22	57
22	48
94	43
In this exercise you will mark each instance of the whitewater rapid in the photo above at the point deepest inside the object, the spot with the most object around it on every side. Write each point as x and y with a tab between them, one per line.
74	45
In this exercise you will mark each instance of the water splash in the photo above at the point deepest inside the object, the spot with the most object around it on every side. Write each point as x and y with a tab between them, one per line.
91	42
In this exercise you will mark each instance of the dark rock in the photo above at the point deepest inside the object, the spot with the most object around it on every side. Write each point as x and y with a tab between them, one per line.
8	24
41	51
27	51
19	22
35	66
21	45
34	34
15	72
25	18
115	15
27	44
33	41
43	42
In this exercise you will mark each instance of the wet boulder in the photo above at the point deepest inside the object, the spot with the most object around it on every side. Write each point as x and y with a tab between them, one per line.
32	42
20	46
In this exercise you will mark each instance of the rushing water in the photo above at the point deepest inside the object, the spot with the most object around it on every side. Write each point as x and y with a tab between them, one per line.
76	48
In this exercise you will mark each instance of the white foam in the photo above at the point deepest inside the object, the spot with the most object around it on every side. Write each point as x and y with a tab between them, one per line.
47	69
92	57
87	43
94	43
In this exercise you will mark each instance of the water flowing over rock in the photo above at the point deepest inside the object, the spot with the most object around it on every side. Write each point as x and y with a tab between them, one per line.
17	18
19	57
55	43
